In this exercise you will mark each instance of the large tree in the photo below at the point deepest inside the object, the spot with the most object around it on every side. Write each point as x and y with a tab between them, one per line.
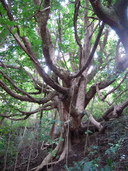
58	55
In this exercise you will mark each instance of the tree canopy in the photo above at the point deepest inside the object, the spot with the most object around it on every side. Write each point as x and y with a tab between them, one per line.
59	56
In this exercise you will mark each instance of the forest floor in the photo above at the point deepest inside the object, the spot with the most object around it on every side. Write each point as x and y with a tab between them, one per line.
106	151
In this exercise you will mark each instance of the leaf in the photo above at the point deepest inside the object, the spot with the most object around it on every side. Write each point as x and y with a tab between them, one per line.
61	139
87	166
3	33
14	30
88	131
21	32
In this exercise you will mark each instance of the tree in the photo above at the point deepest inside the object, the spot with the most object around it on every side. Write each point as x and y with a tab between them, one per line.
73	41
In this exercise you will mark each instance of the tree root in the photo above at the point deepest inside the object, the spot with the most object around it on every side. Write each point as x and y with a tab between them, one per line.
62	148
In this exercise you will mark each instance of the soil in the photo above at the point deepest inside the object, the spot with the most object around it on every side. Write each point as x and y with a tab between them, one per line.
98	151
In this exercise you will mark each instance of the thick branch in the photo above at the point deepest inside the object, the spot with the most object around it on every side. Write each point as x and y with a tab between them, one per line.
92	120
115	16
48	49
108	15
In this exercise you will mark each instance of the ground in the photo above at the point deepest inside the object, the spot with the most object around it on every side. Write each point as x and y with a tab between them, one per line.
107	151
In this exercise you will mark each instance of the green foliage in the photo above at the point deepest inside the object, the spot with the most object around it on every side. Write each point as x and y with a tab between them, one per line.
88	131
8	141
98	108
85	165
14	31
21	32
77	165
91	165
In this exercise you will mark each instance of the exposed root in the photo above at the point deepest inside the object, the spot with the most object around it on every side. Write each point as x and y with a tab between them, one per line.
47	160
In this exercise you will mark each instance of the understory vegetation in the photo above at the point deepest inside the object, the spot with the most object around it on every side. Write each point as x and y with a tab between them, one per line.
23	145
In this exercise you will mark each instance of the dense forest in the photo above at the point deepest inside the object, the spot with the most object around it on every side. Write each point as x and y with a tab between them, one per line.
63	85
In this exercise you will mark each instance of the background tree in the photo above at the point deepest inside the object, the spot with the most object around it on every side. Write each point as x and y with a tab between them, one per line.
59	55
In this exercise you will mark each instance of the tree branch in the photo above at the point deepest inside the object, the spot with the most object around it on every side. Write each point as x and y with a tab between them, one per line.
91	54
117	110
111	91
108	15
90	94
24	98
44	107
16	88
77	6
48	49
36	83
